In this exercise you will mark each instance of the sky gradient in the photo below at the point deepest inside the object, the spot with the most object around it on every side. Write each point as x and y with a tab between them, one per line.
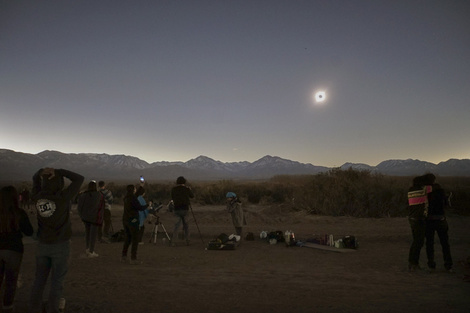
235	80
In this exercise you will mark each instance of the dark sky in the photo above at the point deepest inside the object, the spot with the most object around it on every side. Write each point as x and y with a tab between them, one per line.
234	80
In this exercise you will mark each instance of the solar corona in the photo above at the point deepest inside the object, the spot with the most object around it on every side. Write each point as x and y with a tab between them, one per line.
320	96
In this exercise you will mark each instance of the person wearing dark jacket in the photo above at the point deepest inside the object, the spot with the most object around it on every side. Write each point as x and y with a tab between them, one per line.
180	195
91	208
418	211
436	222
13	223
130	221
53	203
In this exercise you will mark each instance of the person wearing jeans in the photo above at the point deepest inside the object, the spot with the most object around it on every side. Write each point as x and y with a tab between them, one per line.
180	195
436	222
107	223
53	203
90	208
54	259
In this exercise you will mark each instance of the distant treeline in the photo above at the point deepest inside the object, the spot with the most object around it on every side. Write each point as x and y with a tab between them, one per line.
335	193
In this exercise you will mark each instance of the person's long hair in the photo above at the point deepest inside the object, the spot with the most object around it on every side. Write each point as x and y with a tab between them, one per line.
9	206
130	191
140	191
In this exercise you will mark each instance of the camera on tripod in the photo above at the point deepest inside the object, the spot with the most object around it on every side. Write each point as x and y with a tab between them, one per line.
154	208
154	218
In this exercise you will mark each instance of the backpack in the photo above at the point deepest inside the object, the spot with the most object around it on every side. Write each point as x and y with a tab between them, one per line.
222	238
350	242
118	236
278	235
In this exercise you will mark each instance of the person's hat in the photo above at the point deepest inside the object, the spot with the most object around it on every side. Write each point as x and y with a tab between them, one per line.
231	195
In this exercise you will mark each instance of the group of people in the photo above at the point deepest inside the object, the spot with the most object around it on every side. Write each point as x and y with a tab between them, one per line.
136	210
427	201
53	202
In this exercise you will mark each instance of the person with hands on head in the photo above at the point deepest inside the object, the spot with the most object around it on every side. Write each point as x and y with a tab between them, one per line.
53	201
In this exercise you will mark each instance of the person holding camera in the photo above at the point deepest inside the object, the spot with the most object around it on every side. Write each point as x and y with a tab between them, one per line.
130	221
53	203
180	195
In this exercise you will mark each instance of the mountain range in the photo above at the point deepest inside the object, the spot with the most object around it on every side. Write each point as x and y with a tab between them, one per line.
18	166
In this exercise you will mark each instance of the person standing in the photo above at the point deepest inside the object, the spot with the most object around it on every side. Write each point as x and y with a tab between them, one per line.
436	222
107	223
130	221
417	213
180	195
13	223
91	208
25	200
142	214
234	207
52	202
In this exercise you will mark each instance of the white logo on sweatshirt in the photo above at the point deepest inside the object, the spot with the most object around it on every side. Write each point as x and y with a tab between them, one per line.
46	208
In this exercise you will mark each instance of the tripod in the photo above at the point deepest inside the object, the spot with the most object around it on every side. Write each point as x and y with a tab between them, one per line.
153	236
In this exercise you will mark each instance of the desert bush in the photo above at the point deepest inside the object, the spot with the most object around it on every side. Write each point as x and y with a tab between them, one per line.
352	193
335	193
252	192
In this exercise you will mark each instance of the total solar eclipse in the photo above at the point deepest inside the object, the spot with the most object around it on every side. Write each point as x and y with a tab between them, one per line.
320	96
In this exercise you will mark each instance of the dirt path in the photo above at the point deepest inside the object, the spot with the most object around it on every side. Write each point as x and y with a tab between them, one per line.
259	277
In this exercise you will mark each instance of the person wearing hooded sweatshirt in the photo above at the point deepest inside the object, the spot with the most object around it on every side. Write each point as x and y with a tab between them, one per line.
91	208
53	202
234	207
13	223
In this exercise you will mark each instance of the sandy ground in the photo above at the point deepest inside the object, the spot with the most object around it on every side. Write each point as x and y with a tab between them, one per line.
259	277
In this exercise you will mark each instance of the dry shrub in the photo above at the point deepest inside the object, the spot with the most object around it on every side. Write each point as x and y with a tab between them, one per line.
335	193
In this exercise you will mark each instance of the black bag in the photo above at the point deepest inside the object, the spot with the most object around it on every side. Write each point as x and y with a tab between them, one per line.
350	242
217	245
223	238
278	235
134	221
118	236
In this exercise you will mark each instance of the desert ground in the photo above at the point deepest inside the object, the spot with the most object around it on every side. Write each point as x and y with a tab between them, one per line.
260	277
